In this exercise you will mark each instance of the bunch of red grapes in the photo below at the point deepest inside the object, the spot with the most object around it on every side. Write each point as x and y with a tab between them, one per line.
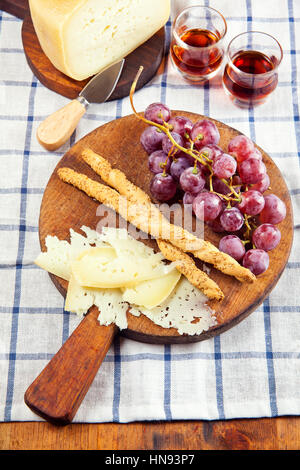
224	189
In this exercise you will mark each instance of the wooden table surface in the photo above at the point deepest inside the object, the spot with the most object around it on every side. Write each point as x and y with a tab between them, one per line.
264	434
246	434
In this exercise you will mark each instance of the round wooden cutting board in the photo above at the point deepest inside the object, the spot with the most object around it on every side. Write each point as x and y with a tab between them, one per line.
64	207
149	55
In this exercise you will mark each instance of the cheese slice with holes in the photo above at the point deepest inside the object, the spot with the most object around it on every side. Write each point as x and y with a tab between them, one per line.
151	293
100	267
81	37
56	259
110	303
79	299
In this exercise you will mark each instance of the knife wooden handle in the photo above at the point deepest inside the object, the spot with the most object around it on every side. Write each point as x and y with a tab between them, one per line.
57	128
58	391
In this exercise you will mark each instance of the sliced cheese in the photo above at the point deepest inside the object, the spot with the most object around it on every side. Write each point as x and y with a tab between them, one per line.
185	309
126	246
180	305
81	37
151	293
80	243
104	255
110	303
78	300
56	259
100	267
60	253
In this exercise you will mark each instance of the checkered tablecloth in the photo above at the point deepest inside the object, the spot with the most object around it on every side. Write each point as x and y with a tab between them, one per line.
253	370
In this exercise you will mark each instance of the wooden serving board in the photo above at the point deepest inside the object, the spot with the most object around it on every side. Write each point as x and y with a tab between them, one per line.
149	55
58	391
64	207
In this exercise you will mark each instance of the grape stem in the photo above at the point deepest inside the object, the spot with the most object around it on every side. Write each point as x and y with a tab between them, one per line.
198	156
248	225
163	128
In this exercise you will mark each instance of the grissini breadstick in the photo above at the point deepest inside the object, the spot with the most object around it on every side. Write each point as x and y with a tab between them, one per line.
187	267
145	217
118	181
139	216
114	177
206	252
112	199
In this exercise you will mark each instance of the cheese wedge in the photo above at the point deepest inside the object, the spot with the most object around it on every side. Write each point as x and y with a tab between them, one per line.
150	294
82	37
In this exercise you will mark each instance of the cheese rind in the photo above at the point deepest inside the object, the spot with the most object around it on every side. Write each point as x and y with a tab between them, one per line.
82	37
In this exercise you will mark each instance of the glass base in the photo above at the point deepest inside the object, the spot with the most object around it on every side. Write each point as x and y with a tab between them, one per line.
244	104
195	79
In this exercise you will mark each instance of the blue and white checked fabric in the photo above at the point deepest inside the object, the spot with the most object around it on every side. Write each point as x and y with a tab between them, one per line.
251	370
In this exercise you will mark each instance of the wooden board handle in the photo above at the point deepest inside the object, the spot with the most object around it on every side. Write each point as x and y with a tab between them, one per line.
17	8
58	391
59	126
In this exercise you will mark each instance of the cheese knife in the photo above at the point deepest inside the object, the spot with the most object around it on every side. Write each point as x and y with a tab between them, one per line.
57	128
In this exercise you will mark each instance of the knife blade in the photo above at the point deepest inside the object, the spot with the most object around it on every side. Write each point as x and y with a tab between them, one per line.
102	85
57	128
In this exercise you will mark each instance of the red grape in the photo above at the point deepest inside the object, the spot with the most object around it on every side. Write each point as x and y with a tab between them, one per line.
192	181
167	144
181	125
224	166
188	198
178	165
252	202
151	139
236	180
203	168
219	186
207	206
212	151
236	183
266	237
262	185
274	210
163	187
232	245
232	220
241	147
252	171
215	225
205	133
257	261
256	154
158	113
157	160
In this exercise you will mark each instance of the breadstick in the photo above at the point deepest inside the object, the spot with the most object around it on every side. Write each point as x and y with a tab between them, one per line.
188	268
139	215
145	217
114	177
118	180
207	251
